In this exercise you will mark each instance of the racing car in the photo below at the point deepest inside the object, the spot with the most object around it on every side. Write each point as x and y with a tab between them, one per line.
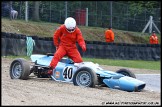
85	74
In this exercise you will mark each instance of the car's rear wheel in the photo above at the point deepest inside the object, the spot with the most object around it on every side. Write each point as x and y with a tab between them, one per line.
85	77
19	69
126	72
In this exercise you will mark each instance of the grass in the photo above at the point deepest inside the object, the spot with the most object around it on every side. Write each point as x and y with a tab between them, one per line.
46	29
153	65
14	57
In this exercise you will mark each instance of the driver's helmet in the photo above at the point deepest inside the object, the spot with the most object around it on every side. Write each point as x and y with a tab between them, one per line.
70	24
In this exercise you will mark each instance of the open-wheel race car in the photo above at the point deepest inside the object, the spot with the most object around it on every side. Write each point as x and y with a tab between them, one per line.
86	74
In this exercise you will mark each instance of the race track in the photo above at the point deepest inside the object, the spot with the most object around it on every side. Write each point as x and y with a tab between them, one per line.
152	81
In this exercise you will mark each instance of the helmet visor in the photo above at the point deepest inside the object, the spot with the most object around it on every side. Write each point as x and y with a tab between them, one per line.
71	30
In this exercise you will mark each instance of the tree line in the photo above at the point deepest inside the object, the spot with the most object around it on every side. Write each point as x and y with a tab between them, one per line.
126	15
135	7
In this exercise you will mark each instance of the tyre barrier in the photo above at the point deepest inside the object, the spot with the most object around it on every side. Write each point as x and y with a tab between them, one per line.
15	44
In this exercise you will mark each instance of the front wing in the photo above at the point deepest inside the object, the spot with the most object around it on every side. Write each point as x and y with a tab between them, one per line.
124	83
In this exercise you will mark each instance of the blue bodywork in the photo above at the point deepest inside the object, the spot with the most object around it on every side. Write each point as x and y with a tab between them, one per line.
65	70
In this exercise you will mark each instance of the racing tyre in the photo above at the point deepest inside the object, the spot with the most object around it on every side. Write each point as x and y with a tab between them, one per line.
85	77
19	69
126	72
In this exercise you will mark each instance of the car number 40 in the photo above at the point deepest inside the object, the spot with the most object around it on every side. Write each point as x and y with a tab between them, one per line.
68	73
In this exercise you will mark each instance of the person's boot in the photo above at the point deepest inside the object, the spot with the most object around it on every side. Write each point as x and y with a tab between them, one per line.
50	71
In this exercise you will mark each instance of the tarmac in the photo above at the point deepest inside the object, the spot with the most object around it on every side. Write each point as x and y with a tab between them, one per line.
153	82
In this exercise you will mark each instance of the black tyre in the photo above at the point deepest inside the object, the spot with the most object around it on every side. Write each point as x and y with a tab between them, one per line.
19	69
126	72
85	77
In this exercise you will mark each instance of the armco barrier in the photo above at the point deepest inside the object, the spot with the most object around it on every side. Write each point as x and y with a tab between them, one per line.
11	46
15	44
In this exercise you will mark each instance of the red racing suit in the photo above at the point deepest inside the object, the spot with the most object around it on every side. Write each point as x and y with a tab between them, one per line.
65	43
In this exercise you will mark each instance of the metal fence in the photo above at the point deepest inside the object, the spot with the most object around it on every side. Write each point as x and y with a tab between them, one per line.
100	16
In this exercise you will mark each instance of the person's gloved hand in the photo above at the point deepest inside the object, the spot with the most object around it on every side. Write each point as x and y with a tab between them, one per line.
56	48
83	48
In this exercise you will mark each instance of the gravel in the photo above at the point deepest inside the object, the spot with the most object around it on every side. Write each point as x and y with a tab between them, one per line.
44	91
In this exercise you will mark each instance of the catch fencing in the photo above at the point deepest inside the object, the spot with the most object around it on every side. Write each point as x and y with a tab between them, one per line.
100	13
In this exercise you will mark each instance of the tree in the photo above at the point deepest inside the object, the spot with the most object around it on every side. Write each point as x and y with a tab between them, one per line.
137	7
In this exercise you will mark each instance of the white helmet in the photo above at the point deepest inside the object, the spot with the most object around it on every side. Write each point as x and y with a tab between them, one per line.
70	24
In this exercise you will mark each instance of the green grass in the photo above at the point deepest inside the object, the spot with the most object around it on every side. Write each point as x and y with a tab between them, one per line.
46	29
14	57
153	65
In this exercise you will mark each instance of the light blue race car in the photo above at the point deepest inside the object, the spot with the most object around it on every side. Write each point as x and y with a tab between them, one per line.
86	74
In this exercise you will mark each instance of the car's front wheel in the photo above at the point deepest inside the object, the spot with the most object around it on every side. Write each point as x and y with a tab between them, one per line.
85	77
126	72
19	69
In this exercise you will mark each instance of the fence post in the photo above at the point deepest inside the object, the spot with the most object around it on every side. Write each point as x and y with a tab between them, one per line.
86	16
50	11
26	11
111	13
65	9
150	26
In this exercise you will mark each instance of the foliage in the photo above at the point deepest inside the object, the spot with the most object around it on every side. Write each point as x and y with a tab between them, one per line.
126	15
137	7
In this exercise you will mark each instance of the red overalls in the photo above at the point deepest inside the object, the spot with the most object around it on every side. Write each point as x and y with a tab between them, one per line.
66	43
153	39
109	36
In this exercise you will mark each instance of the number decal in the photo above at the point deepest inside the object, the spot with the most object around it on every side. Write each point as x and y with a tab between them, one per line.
68	73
